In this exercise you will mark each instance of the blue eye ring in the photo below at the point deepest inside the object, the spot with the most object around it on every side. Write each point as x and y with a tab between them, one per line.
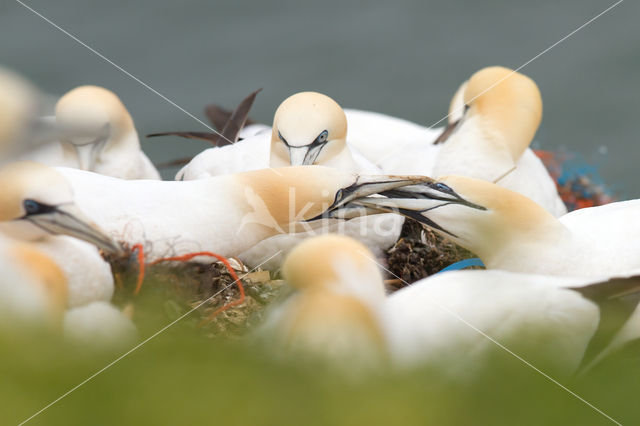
31	206
323	137
443	187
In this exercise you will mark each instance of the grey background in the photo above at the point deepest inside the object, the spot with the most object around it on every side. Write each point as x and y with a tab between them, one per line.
403	58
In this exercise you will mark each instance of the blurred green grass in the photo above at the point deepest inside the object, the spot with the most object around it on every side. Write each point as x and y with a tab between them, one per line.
183	377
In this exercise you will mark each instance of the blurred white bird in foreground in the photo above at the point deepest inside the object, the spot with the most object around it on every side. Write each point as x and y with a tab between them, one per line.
36	206
96	133
340	312
34	292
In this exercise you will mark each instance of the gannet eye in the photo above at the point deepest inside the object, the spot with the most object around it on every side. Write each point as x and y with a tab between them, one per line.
322	137
31	206
442	187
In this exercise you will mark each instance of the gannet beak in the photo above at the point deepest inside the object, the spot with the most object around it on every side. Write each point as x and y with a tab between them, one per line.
365	186
447	132
67	219
87	148
298	155
304	155
88	154
415	201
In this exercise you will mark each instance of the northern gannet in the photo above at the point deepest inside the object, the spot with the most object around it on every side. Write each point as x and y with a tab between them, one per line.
340	311
96	133
20	105
336	312
490	141
34	293
510	231
225	214
308	128
36	206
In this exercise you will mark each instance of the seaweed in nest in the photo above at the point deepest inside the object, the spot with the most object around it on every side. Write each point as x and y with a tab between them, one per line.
420	252
174	288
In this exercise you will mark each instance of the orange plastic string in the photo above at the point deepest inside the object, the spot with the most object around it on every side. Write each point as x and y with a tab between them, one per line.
141	265
189	256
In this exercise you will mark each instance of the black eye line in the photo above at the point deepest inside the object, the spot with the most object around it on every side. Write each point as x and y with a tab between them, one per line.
283	139
41	208
316	141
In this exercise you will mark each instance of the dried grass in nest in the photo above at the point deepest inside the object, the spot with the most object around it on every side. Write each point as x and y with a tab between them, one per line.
182	286
418	253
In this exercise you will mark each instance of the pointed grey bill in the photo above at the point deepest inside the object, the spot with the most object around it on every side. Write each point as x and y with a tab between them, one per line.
88	153
298	155
415	202
365	186
447	132
69	220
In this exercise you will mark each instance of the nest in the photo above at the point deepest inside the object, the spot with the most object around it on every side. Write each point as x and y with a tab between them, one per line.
176	288
420	252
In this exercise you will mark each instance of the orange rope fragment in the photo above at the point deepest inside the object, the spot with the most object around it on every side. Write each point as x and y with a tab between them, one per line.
225	261
141	265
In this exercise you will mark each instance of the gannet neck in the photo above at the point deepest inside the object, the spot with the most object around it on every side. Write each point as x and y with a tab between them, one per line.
292	194
475	149
340	294
323	322
510	104
47	275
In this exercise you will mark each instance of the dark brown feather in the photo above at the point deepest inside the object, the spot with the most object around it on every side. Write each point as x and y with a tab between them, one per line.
209	137
238	118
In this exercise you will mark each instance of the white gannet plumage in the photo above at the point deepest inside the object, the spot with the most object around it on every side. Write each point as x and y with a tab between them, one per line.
340	311
224	214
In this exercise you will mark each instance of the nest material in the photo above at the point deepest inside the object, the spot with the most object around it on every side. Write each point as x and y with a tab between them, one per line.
182	286
419	253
